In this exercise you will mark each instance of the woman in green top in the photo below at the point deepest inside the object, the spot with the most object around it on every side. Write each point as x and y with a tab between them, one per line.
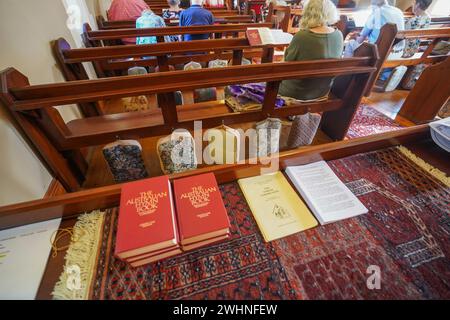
316	40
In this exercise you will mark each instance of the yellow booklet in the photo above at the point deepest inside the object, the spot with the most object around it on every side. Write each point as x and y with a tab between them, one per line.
277	208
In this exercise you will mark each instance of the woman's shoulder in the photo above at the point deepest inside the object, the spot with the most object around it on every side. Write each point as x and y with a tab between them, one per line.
336	33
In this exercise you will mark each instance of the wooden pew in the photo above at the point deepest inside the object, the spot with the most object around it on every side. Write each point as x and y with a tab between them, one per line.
110	37
124	24
74	204
280	17
429	94
70	206
59	144
285	17
110	61
432	35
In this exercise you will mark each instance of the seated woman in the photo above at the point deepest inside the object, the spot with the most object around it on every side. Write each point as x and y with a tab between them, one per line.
421	20
316	40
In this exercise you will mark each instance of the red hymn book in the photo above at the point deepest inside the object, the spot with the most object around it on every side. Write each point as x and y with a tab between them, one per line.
147	226
201	213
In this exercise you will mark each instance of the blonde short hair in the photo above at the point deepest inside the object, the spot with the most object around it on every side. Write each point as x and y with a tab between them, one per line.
319	13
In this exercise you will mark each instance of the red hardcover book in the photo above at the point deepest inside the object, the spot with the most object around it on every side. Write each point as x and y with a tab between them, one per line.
253	36
152	253
207	242
146	218
200	209
151	259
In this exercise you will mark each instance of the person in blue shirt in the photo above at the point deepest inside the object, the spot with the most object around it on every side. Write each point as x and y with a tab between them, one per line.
196	15
149	20
381	14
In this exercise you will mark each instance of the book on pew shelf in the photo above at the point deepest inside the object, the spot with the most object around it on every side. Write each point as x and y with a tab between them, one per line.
146	221
200	209
261	36
207	242
151	259
277	208
326	195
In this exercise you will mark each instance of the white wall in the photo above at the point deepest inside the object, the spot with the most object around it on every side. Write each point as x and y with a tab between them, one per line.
26	29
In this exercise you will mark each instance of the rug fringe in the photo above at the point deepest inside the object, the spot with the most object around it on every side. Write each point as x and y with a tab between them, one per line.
82	253
436	173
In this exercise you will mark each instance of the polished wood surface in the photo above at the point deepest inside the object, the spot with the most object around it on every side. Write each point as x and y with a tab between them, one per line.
116	60
72	204
219	18
429	95
65	140
69	206
430	37
167	31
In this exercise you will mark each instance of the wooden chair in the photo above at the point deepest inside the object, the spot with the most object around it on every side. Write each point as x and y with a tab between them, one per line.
58	144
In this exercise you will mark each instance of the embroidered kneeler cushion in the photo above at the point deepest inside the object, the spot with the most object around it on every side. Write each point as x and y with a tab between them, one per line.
223	145
303	130
177	153
140	103
269	132
124	158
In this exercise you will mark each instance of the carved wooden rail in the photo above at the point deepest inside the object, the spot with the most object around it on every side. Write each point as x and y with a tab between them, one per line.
58	144
432	35
94	38
115	60
124	24
73	204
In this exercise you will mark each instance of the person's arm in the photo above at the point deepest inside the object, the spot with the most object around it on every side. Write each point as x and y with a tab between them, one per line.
363	35
293	50
162	23
211	19
181	22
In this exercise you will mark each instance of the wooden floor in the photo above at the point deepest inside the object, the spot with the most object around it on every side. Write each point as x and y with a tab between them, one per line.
99	174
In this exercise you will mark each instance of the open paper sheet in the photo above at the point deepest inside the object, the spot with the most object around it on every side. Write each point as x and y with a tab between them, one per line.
24	252
326	195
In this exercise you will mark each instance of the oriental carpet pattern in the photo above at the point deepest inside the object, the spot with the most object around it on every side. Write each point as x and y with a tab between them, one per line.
406	234
369	121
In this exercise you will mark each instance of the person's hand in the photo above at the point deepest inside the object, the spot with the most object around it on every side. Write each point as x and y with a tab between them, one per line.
353	35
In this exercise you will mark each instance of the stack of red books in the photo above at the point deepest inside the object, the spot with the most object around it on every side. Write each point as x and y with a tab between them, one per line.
147	227
150	230
202	217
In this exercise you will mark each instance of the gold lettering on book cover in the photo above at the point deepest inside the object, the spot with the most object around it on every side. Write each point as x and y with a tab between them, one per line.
147	202
199	196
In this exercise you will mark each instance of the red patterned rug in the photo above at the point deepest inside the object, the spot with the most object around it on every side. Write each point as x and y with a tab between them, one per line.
405	234
368	121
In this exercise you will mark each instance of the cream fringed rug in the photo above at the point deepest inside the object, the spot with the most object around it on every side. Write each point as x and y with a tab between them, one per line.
80	258
436	173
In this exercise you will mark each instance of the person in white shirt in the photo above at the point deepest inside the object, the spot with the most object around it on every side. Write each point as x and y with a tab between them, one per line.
381	14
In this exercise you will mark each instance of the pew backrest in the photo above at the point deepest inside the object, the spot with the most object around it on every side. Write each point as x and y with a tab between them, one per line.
430	37
94	38
116	60
59	144
430	93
